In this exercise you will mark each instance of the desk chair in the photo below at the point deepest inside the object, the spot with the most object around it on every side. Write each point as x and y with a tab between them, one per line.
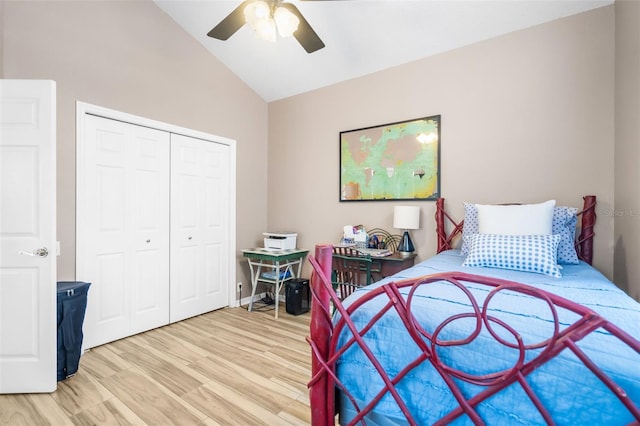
350	272
346	251
372	268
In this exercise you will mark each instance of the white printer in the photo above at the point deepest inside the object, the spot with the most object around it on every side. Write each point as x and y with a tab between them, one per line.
280	240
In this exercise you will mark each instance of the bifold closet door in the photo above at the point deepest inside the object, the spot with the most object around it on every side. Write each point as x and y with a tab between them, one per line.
123	228
199	226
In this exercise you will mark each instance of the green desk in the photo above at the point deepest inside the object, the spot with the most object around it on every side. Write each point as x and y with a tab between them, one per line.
284	264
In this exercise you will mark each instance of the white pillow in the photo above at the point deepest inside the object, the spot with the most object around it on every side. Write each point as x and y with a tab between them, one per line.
524	219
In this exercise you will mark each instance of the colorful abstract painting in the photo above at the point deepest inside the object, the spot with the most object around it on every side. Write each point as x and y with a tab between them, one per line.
396	161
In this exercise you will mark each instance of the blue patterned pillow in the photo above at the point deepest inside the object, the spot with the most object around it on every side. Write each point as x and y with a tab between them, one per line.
527	253
564	224
470	226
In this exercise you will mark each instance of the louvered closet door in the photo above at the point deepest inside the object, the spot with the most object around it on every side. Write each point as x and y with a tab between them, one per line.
123	228
199	226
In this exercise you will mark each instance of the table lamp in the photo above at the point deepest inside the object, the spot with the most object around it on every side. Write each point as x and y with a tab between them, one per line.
406	217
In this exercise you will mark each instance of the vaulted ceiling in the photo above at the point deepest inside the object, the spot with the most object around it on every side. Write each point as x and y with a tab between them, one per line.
361	36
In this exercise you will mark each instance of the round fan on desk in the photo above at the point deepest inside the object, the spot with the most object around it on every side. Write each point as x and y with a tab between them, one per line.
266	17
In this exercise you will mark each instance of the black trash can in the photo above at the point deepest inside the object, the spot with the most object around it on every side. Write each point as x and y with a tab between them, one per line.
297	294
71	305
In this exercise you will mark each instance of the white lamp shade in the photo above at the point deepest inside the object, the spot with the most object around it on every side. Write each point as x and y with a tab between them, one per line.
406	217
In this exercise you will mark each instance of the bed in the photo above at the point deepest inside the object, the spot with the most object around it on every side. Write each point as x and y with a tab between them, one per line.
443	343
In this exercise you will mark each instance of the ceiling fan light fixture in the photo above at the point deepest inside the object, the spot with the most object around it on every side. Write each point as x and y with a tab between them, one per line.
267	18
256	12
286	22
266	29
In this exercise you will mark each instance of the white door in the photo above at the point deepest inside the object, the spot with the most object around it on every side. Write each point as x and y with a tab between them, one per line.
27	236
199	226
123	228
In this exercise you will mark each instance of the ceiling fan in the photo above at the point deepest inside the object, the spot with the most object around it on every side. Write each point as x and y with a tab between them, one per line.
265	17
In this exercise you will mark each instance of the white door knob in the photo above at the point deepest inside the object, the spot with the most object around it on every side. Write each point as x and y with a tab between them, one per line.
41	252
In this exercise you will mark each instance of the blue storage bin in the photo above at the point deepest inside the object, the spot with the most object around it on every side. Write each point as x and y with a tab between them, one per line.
71	306
271	275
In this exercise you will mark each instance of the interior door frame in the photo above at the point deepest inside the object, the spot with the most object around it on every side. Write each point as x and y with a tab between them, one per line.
83	109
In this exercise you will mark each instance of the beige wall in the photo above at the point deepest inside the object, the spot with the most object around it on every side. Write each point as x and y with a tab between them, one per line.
627	149
130	56
525	117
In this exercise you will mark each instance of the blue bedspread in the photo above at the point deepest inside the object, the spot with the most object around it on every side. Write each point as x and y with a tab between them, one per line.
566	387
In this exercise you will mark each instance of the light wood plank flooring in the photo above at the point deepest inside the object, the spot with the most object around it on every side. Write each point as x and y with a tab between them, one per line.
228	367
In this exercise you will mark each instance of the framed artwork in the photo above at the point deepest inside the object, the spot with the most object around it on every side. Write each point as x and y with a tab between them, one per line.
395	161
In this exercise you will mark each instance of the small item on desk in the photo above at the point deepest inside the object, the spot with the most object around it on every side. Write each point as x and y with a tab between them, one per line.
374	252
348	237
354	235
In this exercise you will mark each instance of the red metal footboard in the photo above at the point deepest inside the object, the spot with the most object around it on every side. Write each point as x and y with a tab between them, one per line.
325	354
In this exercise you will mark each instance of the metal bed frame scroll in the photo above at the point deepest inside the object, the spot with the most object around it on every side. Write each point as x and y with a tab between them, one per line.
326	353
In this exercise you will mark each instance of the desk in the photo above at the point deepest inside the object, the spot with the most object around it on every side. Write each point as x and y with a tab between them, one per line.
382	267
280	262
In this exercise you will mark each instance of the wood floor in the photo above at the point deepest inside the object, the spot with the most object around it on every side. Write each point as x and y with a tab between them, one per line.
228	367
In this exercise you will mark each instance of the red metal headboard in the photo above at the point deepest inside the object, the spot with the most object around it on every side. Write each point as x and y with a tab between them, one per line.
584	242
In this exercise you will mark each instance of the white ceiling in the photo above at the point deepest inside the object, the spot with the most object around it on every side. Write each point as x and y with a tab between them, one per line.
361	36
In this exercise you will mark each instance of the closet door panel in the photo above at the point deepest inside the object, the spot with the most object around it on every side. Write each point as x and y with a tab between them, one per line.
216	227
101	254
110	302
122	235
215	271
199	226
146	298
111	203
150	230
112	314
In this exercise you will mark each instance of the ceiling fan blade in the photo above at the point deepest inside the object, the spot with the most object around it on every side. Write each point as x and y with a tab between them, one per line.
229	25
305	35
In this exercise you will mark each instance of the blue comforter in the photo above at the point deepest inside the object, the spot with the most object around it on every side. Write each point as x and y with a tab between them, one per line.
566	387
